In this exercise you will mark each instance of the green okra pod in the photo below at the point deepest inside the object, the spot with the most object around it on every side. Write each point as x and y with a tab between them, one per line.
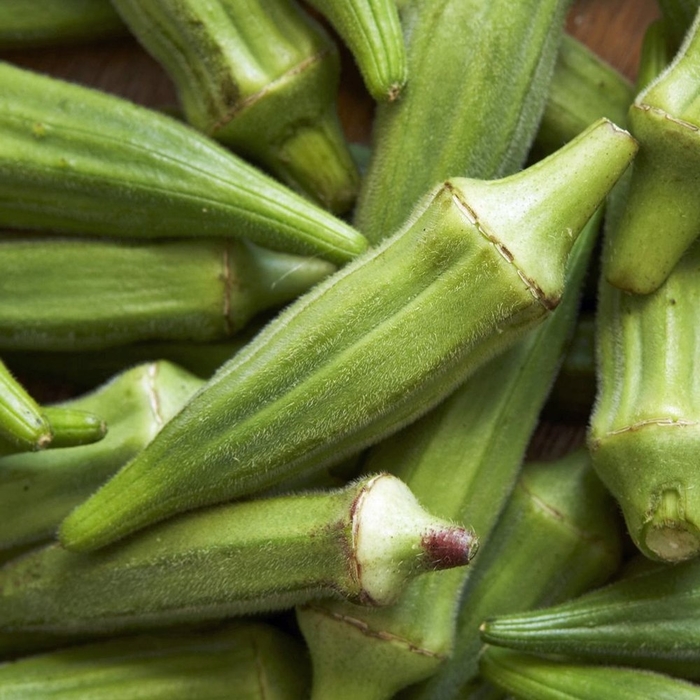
662	216
461	460
177	290
38	490
534	678
678	17
478	264
77	160
26	427
557	537
363	542
25	23
251	659
648	620
479	71
259	76
583	89
372	31
645	431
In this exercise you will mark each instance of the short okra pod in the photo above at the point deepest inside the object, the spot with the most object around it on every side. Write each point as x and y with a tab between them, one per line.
372	347
461	460
649	620
25	23
372	31
257	660
662	216
77	160
363	542
38	490
261	77
528	677
177	290
460	117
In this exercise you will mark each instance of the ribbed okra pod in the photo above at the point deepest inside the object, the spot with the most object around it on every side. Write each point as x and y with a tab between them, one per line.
372	31
478	71
649	620
26	427
122	292
25	23
557	537
38	490
533	678
461	460
78	160
364	542
645	431
662	217
583	89
245	660
373	346
260	76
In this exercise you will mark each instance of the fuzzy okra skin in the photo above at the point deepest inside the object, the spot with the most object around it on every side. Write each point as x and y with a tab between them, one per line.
479	71
363	542
29	23
645	430
27	427
38	490
529	677
177	290
261	77
650	620
662	217
252	660
477	264
678	17
78	160
461	460
372	31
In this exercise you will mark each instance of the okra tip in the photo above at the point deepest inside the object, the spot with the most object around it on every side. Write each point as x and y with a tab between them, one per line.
669	535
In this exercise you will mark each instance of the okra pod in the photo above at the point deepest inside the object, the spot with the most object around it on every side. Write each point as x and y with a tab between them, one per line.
363	542
662	217
372	31
25	23
261	77
77	160
38	490
479	71
648	620
177	290
251	659
533	678
557	537
477	264
462	461
678	17
26	427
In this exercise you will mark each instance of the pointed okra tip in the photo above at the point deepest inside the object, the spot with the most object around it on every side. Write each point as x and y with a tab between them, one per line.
396	539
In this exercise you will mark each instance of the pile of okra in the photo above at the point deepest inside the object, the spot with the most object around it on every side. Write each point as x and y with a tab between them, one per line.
268	397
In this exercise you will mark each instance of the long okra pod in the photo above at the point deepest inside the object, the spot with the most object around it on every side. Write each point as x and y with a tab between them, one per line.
45	22
261	77
533	678
372	30
177	290
78	160
649	620
662	217
363	542
38	490
253	660
479	71
477	265
462	460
